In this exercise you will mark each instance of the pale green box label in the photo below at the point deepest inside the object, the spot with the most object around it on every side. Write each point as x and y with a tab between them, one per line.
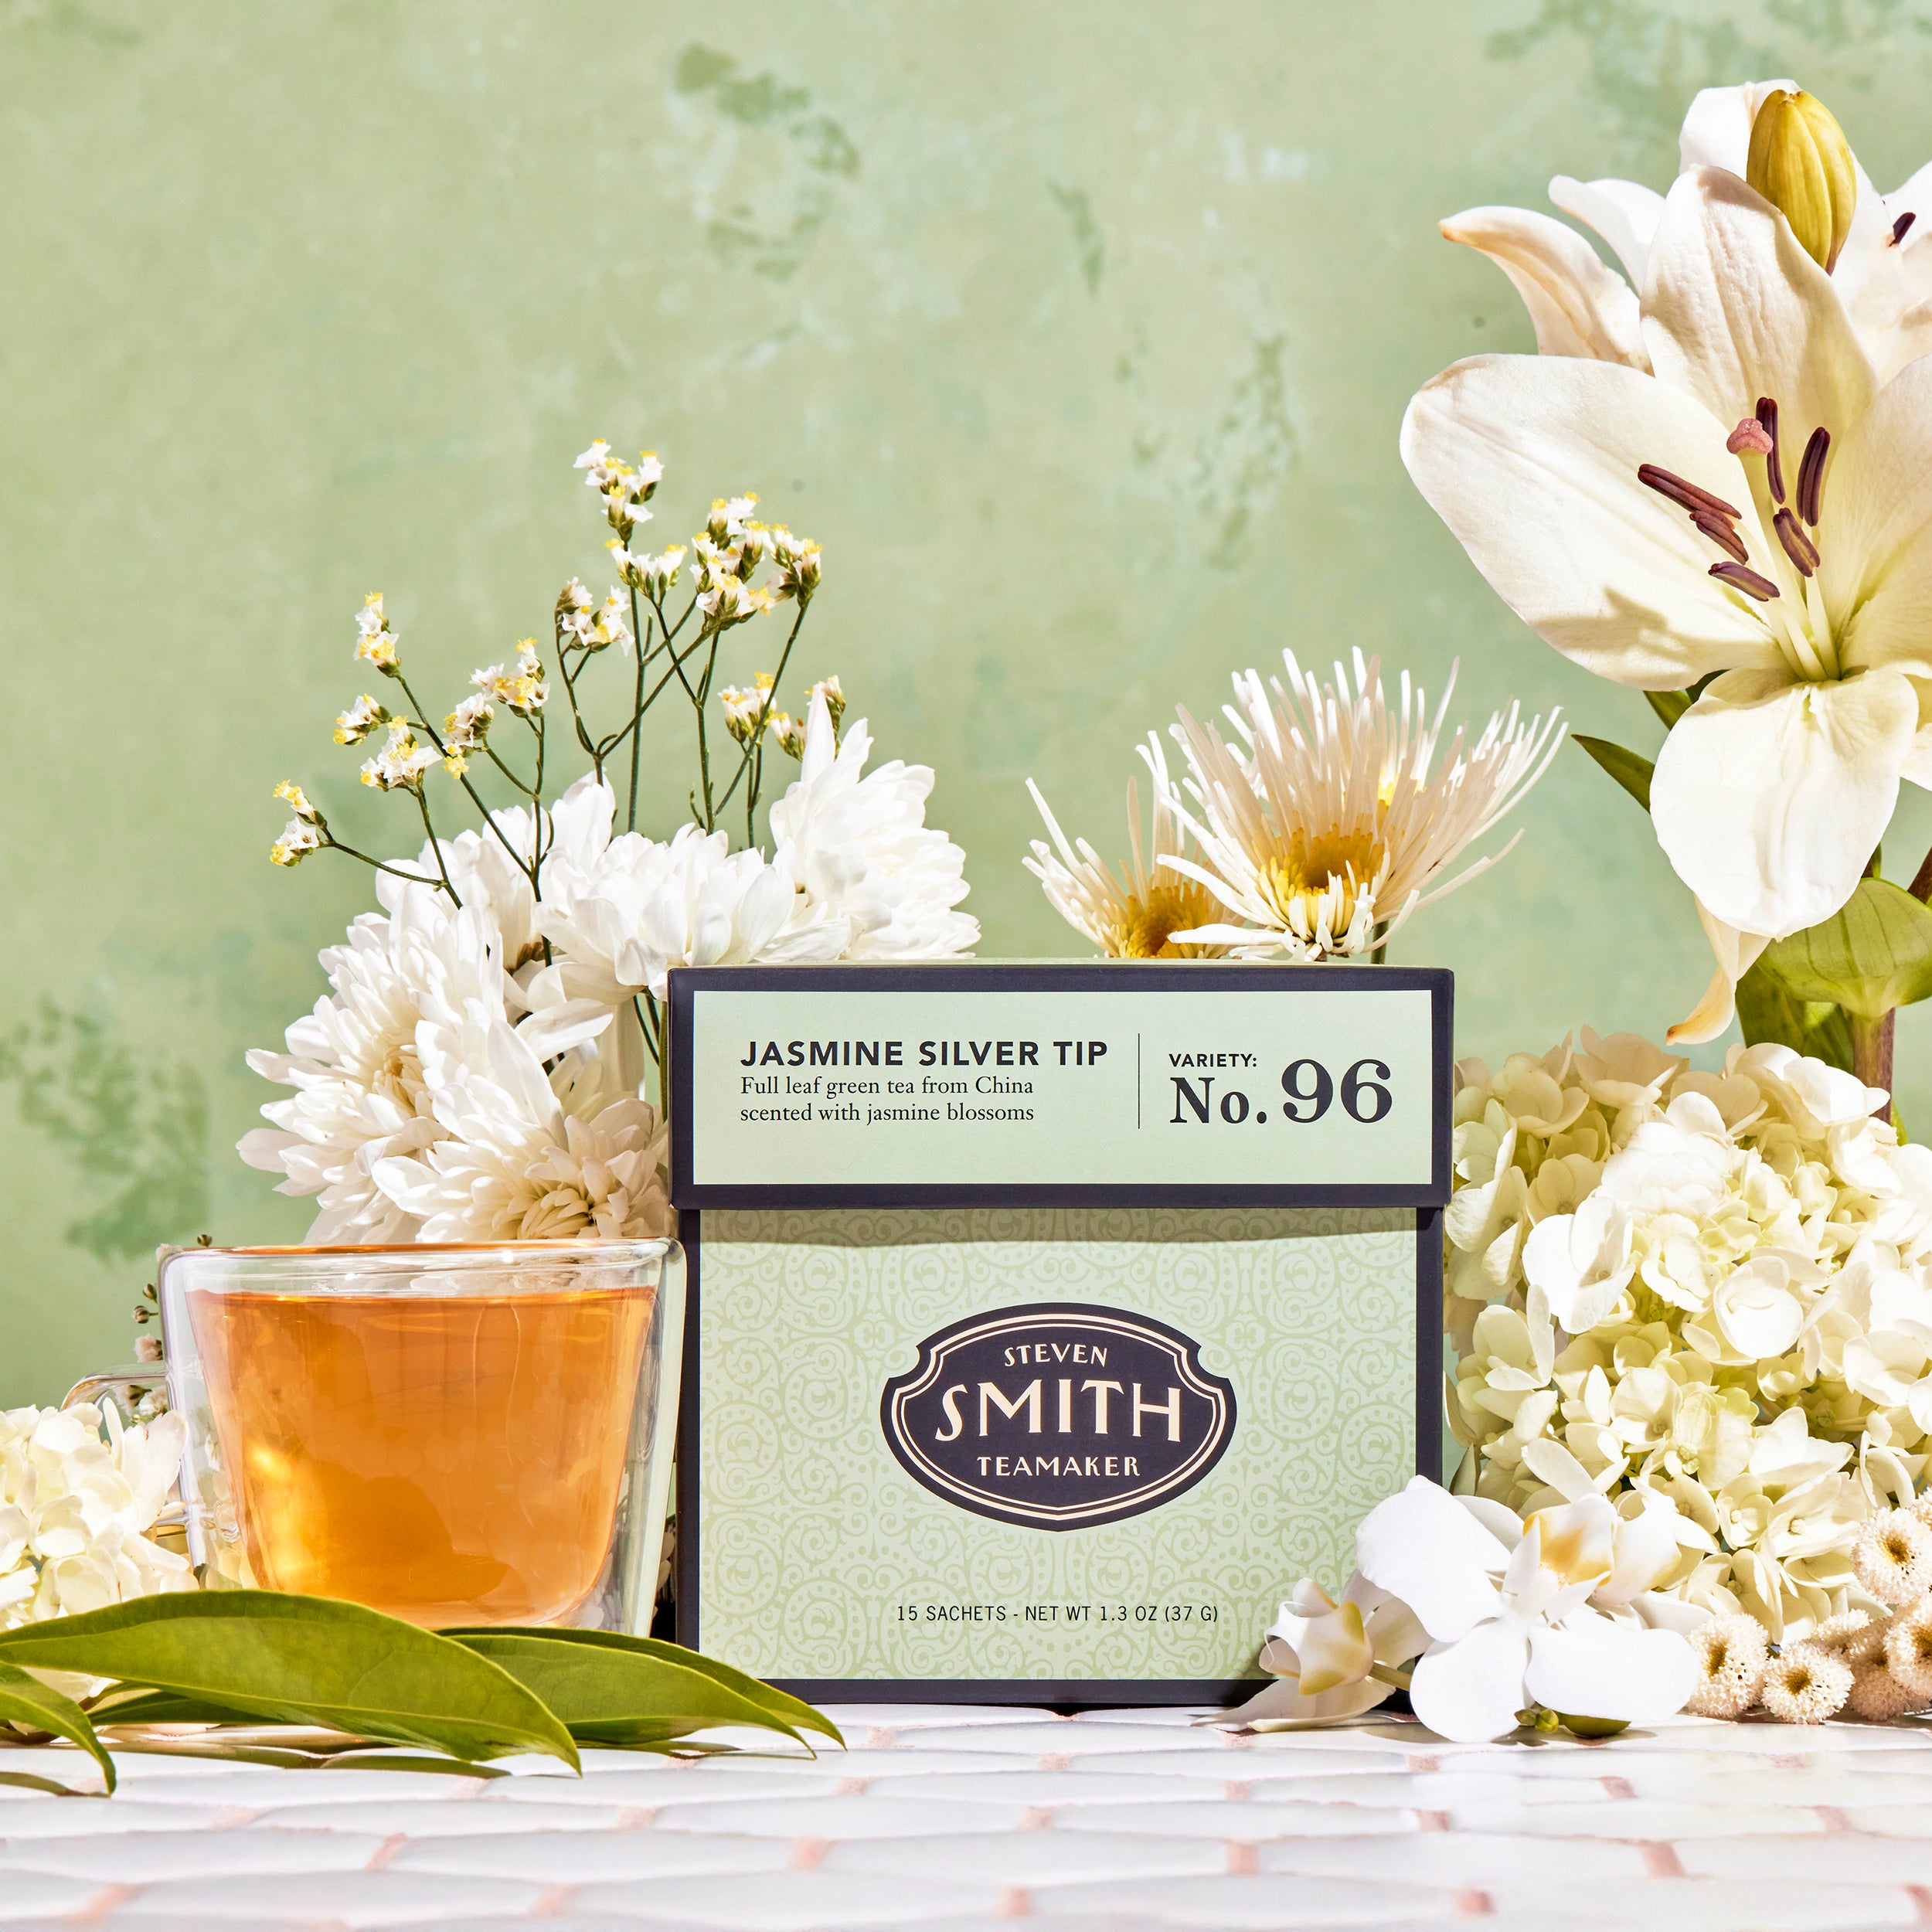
801	1085
821	1558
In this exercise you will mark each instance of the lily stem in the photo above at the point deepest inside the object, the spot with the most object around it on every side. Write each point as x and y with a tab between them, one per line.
1388	1674
1871	1053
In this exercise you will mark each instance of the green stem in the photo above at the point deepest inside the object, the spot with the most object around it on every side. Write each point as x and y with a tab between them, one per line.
436	844
755	736
637	707
1872	1042
1388	1674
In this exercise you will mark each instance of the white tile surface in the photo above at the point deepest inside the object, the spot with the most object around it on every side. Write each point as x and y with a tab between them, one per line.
953	1819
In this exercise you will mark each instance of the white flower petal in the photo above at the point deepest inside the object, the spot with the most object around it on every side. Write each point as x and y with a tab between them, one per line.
1624	213
1577	305
1532	462
1876	567
1471	1690
1420	1546
1736	953
1598	1668
1769	797
1716	131
1736	309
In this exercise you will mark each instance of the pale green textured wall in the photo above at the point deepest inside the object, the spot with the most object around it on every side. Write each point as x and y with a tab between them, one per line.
1078	333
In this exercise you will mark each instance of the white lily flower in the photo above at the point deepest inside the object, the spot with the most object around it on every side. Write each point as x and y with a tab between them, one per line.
1579	308
1663	529
1511	1629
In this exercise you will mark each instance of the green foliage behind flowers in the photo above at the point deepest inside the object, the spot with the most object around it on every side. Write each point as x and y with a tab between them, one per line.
220	1659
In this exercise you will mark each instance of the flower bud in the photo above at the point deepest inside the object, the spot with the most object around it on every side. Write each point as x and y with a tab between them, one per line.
1801	164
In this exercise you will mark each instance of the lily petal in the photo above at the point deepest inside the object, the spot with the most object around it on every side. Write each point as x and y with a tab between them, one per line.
1471	1690
1577	305
1624	213
1876	573
1598	1668
1768	795
1736	309
1532	462
1423	1547
1737	952
1716	131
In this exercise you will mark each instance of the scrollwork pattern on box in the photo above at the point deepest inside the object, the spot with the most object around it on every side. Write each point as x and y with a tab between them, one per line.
809	1554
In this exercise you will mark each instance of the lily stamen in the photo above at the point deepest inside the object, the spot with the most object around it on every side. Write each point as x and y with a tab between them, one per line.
1773	466
1810	476
1740	577
1899	226
1685	495
1797	546
1723	534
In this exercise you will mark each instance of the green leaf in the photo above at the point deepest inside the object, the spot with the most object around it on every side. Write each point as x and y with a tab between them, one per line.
1670	706
25	1700
302	1660
1766	1011
636	1691
1630	771
1874	954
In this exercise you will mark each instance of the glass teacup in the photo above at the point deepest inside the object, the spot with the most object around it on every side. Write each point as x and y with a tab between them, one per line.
458	1434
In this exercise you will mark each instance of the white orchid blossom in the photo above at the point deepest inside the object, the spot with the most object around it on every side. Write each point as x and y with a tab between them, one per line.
1721	477
1322	1653
1514	1628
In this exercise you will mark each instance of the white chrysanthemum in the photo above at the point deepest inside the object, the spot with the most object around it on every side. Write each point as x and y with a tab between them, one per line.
490	868
645	906
858	846
78	1490
357	1063
1325	827
530	1157
1136	915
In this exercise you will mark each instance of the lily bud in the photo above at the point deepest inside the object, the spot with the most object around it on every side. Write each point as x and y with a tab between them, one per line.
1801	162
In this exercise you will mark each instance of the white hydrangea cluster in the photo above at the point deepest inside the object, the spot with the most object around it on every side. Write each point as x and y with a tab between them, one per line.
1708	1290
79	1490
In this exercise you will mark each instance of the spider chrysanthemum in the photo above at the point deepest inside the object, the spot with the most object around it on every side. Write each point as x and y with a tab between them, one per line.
1893	1559
1136	915
1732	1653
1324	827
1806	1686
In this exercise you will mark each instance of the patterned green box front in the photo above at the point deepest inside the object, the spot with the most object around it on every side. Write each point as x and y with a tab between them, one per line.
821	1558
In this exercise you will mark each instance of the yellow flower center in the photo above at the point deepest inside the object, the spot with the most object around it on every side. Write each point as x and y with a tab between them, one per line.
1335	867
1145	929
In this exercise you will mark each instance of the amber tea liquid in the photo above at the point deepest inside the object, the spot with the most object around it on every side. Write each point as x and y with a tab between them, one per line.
447	1458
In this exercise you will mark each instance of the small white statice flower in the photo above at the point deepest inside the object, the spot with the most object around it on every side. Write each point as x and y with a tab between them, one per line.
744	705
401	762
522	690
729	518
297	841
78	1492
625	490
296	800
1137	915
464	732
800	565
1324	828
833	692
727	600
375	640
362	717
858	846
788	733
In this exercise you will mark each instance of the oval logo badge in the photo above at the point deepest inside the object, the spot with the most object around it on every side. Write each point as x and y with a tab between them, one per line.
1060	1416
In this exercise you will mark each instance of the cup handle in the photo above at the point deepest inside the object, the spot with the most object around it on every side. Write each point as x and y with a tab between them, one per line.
150	1379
